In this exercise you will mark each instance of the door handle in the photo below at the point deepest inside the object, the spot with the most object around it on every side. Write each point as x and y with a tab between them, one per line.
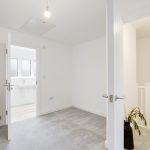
109	97
117	97
6	85
105	96
9	86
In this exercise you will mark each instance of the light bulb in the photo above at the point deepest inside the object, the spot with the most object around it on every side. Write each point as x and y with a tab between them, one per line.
47	14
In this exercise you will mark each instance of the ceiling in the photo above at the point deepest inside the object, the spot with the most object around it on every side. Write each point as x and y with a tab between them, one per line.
75	21
142	27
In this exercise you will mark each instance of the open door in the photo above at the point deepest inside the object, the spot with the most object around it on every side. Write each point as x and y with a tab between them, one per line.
115	113
7	87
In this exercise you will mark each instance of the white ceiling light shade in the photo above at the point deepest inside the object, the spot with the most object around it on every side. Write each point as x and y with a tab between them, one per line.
47	12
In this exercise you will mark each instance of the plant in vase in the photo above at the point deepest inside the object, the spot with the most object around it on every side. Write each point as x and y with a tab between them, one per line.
132	118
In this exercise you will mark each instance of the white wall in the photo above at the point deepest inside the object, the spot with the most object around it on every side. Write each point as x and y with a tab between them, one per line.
129	61
143	60
143	76
67	73
89	76
55	70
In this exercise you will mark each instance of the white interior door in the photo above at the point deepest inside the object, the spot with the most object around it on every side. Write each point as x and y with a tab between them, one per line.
115	114
6	85
2	82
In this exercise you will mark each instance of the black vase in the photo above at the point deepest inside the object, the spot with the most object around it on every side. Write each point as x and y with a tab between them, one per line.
128	136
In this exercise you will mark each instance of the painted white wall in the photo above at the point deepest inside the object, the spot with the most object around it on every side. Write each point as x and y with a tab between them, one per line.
143	75
143	60
54	67
3	35
89	76
129	70
68	73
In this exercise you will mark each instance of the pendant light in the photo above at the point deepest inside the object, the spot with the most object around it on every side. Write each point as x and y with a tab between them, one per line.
47	12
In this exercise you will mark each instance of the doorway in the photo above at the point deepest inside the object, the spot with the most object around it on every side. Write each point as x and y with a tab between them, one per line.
23	81
137	75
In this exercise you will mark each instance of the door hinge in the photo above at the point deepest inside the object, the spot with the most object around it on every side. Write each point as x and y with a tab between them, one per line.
6	51
0	117
6	112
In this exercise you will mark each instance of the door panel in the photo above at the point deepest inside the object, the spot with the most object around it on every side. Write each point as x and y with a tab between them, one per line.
5	88
8	87
115	114
2	82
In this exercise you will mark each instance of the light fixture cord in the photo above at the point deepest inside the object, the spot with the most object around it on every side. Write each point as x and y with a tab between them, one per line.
48	4
47	7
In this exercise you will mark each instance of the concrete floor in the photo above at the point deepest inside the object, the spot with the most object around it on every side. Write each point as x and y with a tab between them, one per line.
69	129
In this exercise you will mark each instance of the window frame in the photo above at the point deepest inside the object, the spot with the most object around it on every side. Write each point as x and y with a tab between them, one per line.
21	68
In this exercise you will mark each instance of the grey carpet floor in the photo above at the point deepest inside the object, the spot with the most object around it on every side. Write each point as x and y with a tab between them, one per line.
69	129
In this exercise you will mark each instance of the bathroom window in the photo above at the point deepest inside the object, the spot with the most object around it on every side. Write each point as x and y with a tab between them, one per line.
26	68
13	67
33	68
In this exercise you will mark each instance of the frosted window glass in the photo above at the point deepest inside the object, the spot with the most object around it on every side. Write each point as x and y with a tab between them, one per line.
14	67
33	68
26	68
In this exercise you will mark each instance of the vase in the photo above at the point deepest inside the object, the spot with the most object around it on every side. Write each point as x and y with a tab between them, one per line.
128	136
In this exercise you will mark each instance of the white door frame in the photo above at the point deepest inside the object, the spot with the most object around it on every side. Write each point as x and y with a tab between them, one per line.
38	90
5	85
7	45
8	122
37	77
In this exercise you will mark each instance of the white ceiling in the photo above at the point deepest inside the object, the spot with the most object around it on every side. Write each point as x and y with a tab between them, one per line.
142	27
134	7
75	21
